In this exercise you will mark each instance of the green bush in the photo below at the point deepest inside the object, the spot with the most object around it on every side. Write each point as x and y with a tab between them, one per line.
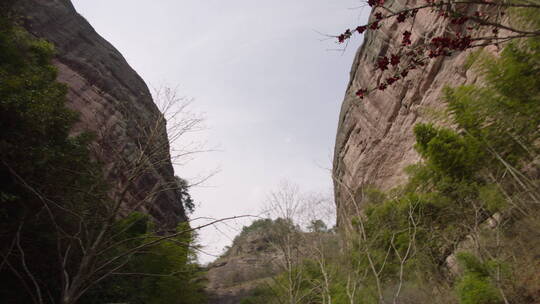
475	286
463	179
41	162
454	155
166	272
474	289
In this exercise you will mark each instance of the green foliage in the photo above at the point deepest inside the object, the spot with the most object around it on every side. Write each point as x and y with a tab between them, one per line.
505	113
467	175
53	196
134	225
184	197
257	225
492	198
271	229
473	289
472	58
424	134
454	155
39	161
475	286
166	272
263	294
471	264
317	226
462	179
370	194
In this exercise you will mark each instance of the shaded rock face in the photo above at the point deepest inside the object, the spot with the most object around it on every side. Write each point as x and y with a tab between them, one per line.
375	140
114	103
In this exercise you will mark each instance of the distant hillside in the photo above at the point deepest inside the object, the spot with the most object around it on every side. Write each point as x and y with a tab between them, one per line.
257	256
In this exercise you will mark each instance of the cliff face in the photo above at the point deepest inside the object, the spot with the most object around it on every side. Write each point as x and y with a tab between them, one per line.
115	104
375	140
249	262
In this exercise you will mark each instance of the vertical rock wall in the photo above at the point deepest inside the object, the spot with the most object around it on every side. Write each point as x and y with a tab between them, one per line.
113	102
375	140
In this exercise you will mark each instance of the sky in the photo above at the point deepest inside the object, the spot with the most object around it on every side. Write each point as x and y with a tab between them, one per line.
265	77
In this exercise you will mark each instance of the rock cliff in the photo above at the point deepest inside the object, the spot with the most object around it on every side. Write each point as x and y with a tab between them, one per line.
259	258
114	103
374	140
250	260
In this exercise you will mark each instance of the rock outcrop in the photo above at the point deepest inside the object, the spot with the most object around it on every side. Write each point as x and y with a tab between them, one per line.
250	260
375	140
114	103
261	253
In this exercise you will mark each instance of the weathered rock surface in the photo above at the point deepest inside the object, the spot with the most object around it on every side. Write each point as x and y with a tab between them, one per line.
259	255
375	138
249	262
113	102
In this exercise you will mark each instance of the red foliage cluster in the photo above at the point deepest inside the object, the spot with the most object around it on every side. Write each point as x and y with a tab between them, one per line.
375	3
361	93
444	45
401	17
361	29
382	63
394	60
459	20
406	38
344	36
391	80
404	73
375	25
458	37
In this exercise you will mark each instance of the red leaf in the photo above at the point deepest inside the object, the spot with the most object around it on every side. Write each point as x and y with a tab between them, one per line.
361	29
374	25
394	60
382	63
406	38
401	17
361	93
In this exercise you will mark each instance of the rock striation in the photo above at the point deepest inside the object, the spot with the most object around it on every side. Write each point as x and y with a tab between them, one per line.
375	140
114	103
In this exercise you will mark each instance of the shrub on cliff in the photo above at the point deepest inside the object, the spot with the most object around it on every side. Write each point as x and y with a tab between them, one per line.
466	176
475	188
39	161
64	239
475	287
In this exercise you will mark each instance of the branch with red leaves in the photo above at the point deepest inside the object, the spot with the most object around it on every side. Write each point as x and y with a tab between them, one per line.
468	24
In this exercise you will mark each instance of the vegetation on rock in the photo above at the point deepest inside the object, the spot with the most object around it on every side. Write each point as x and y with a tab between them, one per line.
465	227
64	239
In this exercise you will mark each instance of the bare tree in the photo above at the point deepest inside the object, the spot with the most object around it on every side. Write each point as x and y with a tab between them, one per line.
357	229
285	204
92	245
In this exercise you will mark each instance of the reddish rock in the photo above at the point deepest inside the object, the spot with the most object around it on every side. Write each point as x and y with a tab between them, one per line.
113	102
375	140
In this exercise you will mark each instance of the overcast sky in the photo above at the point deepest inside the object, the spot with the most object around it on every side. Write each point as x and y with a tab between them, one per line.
268	82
